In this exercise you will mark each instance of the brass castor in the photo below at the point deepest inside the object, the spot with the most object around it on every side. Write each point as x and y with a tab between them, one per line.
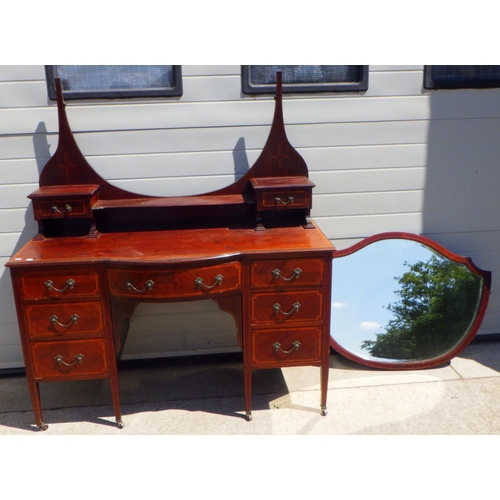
249	416
324	411
120	424
43	426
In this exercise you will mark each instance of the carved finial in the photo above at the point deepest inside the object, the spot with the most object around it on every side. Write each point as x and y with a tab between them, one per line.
68	165
278	156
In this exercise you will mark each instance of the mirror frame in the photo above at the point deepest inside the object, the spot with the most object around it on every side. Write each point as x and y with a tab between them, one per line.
446	357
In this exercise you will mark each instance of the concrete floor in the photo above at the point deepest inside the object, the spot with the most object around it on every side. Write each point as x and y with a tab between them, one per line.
204	396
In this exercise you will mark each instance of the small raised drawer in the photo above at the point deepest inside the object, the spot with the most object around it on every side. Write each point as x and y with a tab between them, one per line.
159	284
53	321
69	359
61	208
57	283
299	345
285	199
286	273
272	193
286	307
64	201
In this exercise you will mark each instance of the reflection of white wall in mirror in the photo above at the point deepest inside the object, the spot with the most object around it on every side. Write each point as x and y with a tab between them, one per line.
365	283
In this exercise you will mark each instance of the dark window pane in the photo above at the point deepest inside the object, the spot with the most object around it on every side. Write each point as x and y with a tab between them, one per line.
304	74
116	81
450	76
308	78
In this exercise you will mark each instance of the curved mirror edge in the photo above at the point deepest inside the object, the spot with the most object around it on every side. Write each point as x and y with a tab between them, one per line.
477	304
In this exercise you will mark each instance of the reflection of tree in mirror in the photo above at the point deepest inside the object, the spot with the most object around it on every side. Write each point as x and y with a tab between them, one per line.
439	299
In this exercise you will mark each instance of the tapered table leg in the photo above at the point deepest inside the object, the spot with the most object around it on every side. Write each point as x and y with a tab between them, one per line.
324	387
247	375
115	393
34	390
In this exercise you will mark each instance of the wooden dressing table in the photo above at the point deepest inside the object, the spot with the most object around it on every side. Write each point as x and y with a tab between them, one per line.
100	251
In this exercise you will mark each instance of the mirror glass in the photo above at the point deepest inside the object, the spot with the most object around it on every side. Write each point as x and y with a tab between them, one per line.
403	303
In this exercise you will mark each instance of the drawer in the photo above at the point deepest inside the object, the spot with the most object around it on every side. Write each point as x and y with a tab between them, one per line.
57	283
69	359
285	346
286	273
63	201
287	307
276	193
71	207
164	284
285	199
60	320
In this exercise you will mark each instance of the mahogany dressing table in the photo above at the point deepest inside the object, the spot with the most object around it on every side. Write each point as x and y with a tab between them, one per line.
100	251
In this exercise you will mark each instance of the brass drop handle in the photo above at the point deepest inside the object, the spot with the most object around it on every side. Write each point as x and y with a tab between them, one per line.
148	285
67	209
70	283
279	201
199	282
73	320
295	308
60	360
296	273
295	347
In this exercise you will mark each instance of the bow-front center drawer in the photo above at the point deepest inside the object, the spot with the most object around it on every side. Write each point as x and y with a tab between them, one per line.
164	284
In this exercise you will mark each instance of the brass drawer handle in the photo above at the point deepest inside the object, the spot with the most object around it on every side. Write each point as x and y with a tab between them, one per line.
296	273
74	319
69	284
295	347
60	361
199	282
279	201
147	285
67	209
295	308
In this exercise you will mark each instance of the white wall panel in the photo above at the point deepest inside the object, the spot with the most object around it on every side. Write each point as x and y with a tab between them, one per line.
20	171
357	181
367	203
217	139
210	70
296	111
365	157
23	94
361	226
21	73
16	195
17	220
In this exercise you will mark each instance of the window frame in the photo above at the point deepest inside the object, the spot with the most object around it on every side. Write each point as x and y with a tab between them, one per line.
175	91
250	88
430	84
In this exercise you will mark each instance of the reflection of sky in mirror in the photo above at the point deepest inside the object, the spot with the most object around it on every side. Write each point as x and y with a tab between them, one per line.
364	285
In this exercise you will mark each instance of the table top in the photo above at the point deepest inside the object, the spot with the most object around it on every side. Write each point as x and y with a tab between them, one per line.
170	246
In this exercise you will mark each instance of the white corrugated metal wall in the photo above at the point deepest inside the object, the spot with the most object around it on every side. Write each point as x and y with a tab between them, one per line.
395	158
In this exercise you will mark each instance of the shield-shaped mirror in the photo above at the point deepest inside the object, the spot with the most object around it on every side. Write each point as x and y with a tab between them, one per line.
402	301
